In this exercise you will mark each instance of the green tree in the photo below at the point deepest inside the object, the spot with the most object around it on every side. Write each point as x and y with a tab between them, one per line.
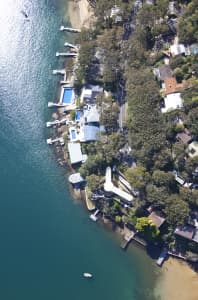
138	177
147	227
177	210
93	182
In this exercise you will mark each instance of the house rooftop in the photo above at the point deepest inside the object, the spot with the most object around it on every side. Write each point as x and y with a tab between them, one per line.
156	219
171	102
75	153
184	137
177	49
89	133
193	149
163	72
189	232
91	114
170	85
76	178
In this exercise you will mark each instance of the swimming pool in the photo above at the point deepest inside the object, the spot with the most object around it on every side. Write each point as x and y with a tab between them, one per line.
78	114
73	134
68	95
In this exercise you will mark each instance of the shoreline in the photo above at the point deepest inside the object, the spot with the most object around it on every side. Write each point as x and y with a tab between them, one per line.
79	13
177	279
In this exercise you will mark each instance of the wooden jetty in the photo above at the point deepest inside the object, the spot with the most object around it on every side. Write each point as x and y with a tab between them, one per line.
128	236
69	29
67	54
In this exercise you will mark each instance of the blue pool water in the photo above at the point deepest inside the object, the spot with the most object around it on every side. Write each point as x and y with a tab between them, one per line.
78	113
67	95
73	134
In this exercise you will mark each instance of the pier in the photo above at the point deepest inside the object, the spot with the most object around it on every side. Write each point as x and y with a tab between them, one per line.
56	122
71	46
52	104
128	236
67	54
52	141
59	72
69	29
93	216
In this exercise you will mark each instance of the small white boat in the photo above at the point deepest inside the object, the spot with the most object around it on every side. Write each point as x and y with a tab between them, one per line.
87	275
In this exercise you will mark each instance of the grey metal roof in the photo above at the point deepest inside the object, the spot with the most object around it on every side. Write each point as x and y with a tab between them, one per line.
91	133
75	153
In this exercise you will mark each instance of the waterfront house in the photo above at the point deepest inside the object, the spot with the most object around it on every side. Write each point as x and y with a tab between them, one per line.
91	115
89	133
90	92
188	232
171	102
75	153
156	219
76	180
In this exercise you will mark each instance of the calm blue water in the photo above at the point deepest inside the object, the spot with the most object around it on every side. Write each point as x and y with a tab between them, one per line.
47	240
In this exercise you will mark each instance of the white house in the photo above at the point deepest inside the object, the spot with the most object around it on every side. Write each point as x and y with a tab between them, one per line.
177	49
171	102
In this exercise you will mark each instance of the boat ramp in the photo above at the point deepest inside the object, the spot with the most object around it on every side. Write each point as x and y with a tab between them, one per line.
69	29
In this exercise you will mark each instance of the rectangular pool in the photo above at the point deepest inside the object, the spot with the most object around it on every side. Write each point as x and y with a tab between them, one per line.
68	95
78	114
73	134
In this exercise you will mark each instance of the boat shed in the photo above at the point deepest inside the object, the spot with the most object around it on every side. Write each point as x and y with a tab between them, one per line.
75	153
76	178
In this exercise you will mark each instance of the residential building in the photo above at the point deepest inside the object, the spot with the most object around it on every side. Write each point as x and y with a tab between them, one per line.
188	232
75	153
163	72
156	219
193	149
184	136
177	49
172	102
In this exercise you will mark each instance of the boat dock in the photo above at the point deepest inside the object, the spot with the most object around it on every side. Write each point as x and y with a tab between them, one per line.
59	72
56	122
69	29
71	46
162	257
93	216
52	104
67	54
128	236
52	141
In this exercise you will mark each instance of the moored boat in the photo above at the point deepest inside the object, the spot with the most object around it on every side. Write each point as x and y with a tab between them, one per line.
87	275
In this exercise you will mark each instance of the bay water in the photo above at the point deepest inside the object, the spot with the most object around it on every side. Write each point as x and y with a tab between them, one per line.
46	239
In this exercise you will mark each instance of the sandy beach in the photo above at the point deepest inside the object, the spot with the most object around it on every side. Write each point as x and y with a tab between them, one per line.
79	13
177	282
